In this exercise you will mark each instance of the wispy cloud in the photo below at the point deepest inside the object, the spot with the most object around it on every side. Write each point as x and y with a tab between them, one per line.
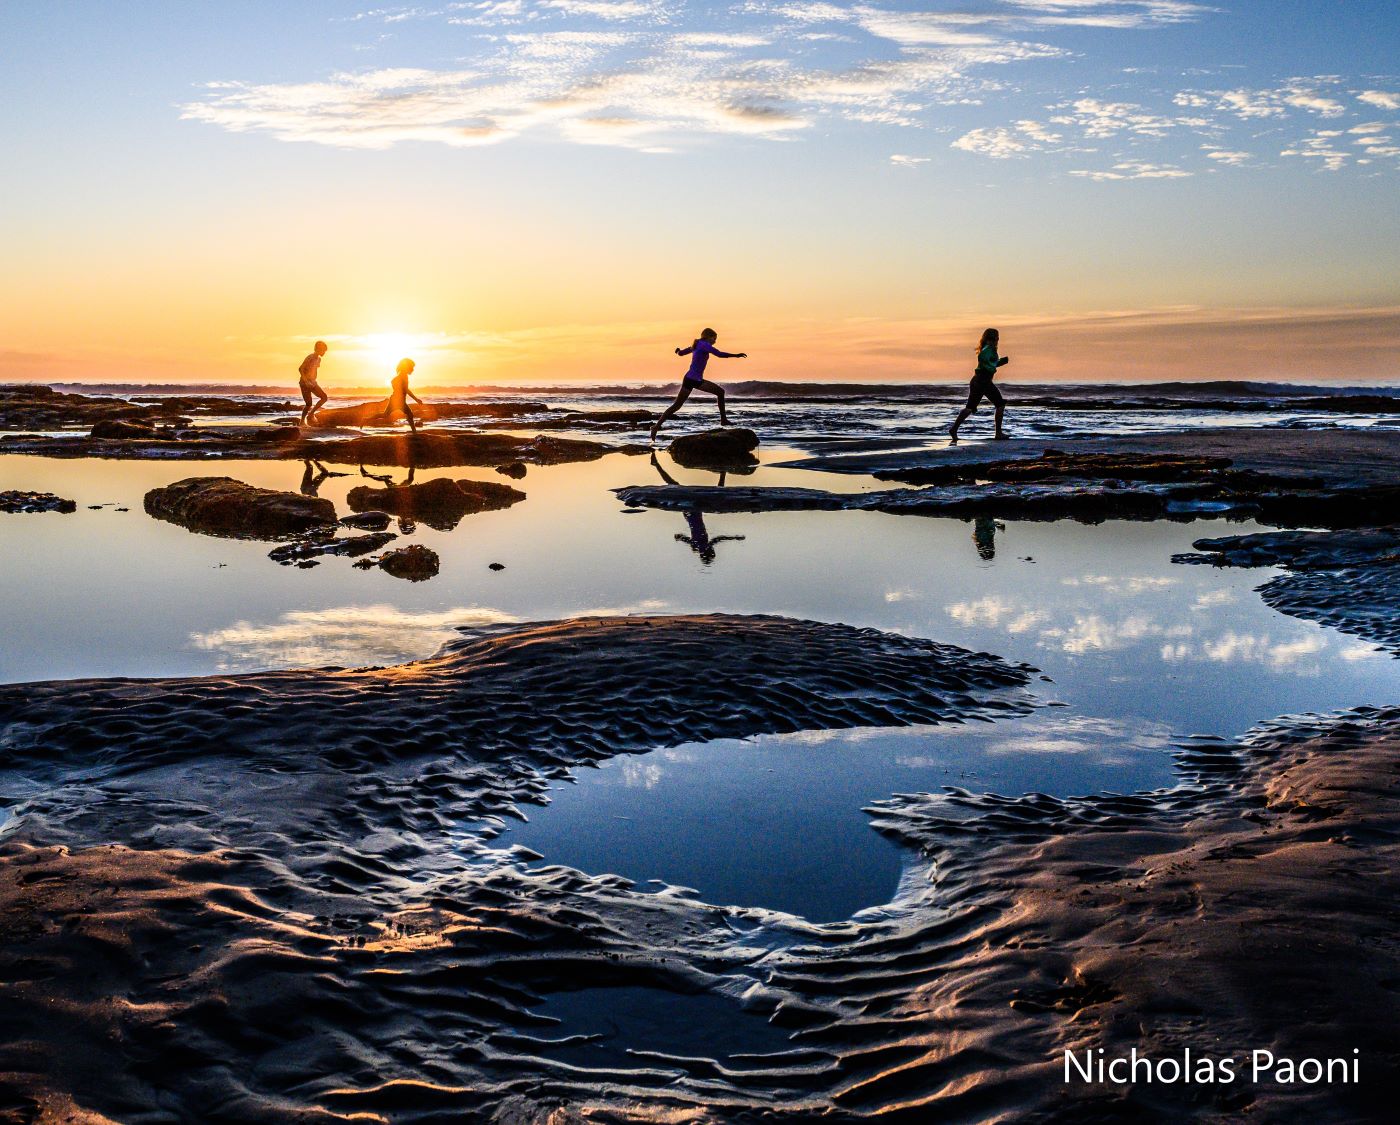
1384	99
627	72
1305	94
1132	170
1021	138
658	76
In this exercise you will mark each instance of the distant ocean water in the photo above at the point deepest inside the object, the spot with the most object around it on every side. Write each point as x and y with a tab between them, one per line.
813	414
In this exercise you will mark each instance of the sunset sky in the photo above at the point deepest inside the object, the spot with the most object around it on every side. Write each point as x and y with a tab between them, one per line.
564	190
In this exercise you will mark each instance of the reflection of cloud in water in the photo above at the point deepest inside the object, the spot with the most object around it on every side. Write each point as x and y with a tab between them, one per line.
1234	648
1246	648
639	774
345	636
1111	741
1212	598
1086	734
1123	584
995	612
1362	652
1097	634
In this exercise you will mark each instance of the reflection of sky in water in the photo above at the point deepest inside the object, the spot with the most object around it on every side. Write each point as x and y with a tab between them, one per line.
776	822
1166	650
1102	609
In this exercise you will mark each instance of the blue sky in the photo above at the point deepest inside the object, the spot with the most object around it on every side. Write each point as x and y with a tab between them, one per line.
853	186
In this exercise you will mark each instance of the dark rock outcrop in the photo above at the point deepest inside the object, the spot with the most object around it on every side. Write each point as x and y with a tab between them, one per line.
376	412
415	563
513	469
352	547
366	521
232	509
15	502
719	449
439	503
127	428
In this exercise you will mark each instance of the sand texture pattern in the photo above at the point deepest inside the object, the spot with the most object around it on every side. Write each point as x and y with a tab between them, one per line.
271	897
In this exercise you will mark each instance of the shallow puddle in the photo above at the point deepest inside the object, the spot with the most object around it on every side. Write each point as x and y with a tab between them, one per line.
777	822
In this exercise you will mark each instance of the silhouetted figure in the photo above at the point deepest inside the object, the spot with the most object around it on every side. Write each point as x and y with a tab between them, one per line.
703	348
314	476
399	394
310	371
982	386
984	534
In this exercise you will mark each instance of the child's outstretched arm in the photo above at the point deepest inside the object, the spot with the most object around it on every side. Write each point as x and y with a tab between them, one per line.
729	355
1003	361
685	351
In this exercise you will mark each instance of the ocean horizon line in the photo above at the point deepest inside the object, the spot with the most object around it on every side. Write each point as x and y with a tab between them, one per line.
1281	386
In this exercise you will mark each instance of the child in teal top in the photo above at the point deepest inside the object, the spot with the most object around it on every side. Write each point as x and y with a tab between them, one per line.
982	386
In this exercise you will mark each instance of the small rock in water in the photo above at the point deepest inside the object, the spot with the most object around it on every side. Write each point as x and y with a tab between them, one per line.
722	448
512	469
416	563
496	566
366	521
310	548
21	502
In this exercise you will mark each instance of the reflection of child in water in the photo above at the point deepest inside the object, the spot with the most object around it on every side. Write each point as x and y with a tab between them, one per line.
984	534
699	538
314	476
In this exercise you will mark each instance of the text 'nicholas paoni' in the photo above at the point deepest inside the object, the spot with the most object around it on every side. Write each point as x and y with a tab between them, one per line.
1097	1066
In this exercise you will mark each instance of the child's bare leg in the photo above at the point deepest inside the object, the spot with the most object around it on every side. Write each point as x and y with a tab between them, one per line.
1000	411
321	397
681	396
408	413
963	415
305	404
718	391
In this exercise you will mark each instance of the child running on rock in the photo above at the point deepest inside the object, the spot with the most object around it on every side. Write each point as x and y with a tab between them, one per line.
981	385
695	379
399	394
310	371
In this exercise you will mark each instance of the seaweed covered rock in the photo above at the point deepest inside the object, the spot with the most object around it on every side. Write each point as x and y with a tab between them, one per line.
415	563
22	502
722	448
125	428
350	547
439	503
230	508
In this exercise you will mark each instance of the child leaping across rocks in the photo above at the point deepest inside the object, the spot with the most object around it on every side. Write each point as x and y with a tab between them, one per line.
695	379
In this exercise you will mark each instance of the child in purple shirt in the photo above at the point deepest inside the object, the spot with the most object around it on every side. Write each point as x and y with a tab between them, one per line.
695	379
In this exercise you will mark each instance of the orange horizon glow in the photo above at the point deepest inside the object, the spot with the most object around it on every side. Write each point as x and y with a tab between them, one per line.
1344	345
